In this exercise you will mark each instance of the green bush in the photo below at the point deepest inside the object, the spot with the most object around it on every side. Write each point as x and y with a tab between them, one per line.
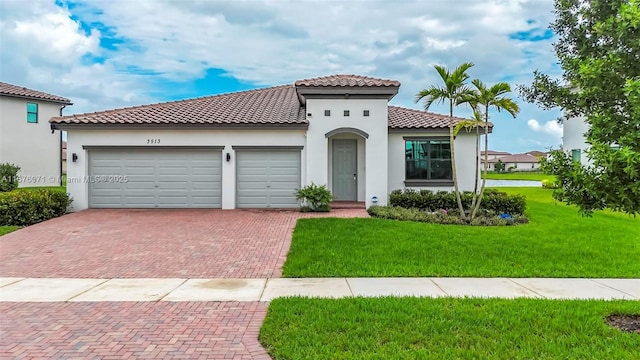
8	177
24	208
316	198
441	217
493	201
550	184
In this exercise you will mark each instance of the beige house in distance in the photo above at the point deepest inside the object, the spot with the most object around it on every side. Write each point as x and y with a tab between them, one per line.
26	137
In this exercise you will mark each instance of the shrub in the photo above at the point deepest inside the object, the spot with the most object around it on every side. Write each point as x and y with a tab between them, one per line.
550	184
23	208
8	177
493	201
440	217
316	198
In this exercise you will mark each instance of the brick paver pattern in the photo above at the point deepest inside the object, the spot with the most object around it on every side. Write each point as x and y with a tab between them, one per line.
184	243
132	330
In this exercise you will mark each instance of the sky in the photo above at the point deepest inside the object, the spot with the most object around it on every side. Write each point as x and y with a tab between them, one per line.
111	54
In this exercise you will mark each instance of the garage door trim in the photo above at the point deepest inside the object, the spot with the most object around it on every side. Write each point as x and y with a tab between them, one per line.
269	148
164	147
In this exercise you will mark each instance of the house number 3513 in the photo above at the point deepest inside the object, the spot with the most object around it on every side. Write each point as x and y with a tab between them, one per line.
153	141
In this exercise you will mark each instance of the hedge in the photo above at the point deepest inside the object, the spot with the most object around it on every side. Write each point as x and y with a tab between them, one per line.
440	217
27	207
493	201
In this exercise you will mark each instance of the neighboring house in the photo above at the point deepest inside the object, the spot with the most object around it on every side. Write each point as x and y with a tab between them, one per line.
64	157
574	140
516	162
538	154
491	154
26	137
253	149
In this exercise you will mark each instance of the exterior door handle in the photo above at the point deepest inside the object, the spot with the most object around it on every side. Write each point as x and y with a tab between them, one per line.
355	177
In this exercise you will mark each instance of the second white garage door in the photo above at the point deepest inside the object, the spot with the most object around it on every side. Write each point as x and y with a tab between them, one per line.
155	177
267	178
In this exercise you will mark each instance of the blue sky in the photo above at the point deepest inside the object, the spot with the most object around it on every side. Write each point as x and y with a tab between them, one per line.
110	54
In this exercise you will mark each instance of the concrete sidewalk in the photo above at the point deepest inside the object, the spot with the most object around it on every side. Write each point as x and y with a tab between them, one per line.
163	289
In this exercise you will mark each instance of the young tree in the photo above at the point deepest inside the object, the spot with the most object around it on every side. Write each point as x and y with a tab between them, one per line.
599	52
456	92
486	98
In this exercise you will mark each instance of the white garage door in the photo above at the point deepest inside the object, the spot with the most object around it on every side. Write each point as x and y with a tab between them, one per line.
267	178
155	178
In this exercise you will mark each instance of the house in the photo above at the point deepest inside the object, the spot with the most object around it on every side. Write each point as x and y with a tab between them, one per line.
516	162
26	137
253	149
574	140
492	154
64	157
538	154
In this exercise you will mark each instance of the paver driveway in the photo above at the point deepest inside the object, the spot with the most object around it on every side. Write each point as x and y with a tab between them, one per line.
154	243
138	244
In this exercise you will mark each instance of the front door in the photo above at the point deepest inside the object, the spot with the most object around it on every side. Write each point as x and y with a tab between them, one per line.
345	170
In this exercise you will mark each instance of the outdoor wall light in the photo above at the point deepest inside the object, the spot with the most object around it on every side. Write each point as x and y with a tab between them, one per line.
74	157
228	157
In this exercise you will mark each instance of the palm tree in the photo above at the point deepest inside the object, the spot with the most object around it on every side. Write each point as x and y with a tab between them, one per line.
456	92
488	98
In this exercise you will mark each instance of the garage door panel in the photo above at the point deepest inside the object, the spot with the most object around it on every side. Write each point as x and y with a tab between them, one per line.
157	178
267	179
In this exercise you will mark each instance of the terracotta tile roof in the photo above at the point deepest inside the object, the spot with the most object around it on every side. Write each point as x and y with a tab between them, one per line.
516	158
403	118
346	81
493	152
273	106
22	92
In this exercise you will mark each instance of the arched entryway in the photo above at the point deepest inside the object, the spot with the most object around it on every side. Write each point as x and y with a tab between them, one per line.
346	165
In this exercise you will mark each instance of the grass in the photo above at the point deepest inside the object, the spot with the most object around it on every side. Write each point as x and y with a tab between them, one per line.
557	242
7	229
446	328
534	176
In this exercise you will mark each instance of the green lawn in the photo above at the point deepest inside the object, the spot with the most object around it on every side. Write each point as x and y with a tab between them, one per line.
446	328
8	229
520	176
558	242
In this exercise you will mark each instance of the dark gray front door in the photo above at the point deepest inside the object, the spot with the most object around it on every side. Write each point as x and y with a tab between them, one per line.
345	170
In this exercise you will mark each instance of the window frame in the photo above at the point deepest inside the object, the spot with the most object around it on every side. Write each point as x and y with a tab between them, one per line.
426	182
34	113
576	155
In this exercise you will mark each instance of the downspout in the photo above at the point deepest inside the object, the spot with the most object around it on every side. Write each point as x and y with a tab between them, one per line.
52	128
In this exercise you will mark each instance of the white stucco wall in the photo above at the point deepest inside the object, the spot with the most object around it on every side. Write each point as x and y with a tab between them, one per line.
465	150
521	166
76	139
573	136
375	146
31	146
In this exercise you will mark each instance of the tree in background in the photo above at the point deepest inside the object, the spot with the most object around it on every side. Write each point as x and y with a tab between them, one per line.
599	52
456	92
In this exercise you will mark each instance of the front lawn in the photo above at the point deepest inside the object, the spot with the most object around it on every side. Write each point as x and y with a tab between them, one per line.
557	242
446	328
8	229
534	176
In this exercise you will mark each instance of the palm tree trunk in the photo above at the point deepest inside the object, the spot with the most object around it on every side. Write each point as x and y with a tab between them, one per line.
454	173
486	161
474	199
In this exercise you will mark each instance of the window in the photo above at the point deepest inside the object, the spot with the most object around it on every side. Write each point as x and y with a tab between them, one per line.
327	113
575	155
32	112
428	159
346	113
365	113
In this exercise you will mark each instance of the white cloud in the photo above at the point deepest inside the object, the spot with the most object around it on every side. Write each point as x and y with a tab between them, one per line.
265	43
551	128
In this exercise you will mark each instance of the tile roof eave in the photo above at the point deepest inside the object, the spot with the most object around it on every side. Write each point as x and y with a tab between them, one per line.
55	101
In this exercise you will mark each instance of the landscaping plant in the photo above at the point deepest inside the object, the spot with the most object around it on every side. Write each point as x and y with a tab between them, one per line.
8	177
315	197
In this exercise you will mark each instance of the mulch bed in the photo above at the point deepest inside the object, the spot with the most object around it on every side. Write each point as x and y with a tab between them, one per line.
626	323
